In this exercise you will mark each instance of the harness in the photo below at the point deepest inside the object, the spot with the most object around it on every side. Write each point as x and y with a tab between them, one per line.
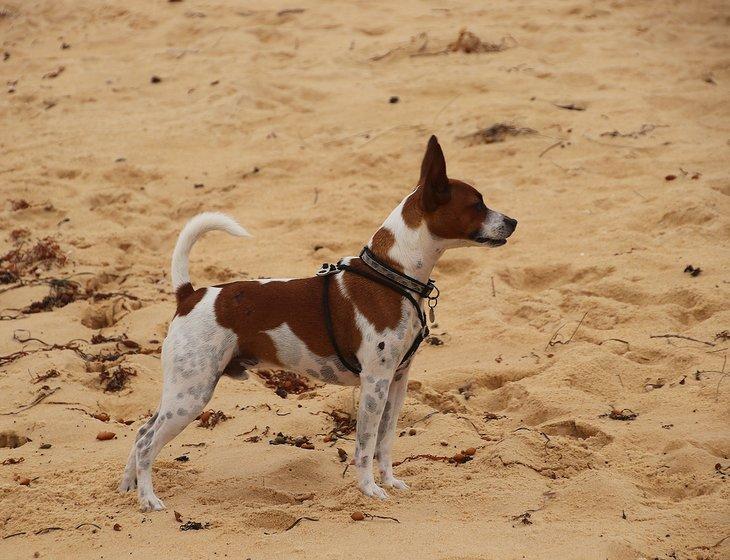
381	273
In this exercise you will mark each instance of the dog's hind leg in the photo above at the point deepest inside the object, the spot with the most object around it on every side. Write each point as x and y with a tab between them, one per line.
129	479
194	354
183	399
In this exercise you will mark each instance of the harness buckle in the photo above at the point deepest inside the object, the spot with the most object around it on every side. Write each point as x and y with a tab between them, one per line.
327	269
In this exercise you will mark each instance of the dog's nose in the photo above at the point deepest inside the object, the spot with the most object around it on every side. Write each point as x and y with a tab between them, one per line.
511	223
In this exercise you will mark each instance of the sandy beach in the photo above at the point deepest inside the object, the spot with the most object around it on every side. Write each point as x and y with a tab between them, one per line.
584	362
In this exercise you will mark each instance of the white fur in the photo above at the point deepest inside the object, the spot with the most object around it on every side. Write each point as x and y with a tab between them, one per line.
197	226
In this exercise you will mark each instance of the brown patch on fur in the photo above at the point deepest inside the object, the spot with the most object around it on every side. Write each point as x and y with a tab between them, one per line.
381	243
381	306
461	217
187	298
412	212
250	308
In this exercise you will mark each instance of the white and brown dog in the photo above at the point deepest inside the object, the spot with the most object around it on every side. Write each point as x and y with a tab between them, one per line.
356	323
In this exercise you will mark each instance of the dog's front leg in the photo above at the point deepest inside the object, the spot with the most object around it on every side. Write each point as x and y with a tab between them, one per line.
373	396
388	425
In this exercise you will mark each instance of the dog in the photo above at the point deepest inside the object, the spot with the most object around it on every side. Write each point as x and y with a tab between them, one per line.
355	323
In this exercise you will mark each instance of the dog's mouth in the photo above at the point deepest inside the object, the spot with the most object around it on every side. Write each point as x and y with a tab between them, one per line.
490	242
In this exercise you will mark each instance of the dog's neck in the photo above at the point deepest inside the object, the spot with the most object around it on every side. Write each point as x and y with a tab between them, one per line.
411	250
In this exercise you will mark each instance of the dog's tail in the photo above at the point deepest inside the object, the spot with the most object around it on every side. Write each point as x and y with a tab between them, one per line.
197	226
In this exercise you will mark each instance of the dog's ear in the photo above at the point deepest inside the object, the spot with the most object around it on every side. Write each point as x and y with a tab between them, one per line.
436	188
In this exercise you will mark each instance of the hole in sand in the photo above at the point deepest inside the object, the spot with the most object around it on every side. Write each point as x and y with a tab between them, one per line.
12	440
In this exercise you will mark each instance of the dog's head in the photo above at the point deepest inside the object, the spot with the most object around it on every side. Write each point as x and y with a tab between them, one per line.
453	210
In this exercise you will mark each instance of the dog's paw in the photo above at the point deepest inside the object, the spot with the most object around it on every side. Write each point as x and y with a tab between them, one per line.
372	490
127	485
151	503
393	482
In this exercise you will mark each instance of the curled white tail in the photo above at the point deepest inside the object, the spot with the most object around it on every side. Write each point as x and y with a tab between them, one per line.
197	226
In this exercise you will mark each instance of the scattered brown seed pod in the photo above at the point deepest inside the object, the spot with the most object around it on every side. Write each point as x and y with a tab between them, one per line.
105	436
24	481
357	516
117	527
103	416
470	451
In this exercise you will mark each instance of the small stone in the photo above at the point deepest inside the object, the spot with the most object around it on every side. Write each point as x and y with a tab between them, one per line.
155	79
105	436
117	527
444	443
393	99
412	432
357	516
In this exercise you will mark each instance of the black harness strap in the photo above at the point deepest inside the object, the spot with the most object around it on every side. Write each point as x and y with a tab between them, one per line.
389	278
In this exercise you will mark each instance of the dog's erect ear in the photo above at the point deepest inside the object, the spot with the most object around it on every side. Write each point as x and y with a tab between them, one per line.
436	189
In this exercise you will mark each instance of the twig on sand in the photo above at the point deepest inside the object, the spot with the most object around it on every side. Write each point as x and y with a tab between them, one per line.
553	339
560	143
45	393
425	417
47	530
722	373
89	524
373	516
682	337
290	527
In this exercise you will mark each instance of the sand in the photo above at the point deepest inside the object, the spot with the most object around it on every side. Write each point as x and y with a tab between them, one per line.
284	120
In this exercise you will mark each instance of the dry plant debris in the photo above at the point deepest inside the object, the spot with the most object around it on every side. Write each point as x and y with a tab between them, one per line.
114	378
194	526
624	415
51	373
301	441
344	424
45	253
468	42
285	382
211	418
361	516
498	132
694	272
645	129
457	459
